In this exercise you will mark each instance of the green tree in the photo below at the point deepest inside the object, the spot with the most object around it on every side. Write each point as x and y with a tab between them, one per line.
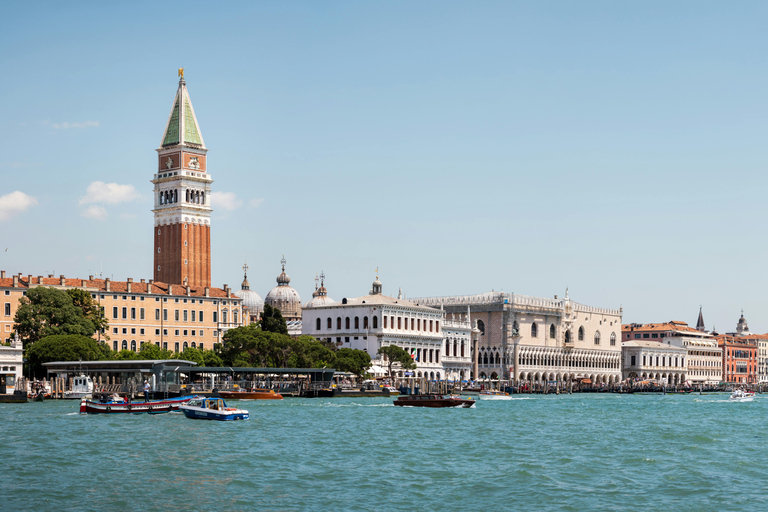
192	354
62	347
272	320
152	351
211	358
48	311
127	355
91	310
353	361
395	354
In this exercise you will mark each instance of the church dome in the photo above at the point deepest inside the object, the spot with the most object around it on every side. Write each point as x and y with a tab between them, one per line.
251	299
320	295
285	298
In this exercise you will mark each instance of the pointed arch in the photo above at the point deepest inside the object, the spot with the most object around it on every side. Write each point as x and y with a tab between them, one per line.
581	333
534	330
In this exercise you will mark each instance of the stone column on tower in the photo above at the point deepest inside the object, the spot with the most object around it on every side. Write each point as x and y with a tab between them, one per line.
182	199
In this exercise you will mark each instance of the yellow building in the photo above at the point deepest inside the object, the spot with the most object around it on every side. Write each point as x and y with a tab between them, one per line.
172	317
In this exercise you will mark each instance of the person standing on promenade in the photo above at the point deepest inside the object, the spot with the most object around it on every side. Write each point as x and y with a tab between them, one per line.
146	390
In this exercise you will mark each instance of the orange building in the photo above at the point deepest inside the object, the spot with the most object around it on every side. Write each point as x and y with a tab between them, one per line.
739	358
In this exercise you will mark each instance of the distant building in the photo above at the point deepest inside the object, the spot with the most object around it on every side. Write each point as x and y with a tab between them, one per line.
662	363
285	298
376	320
739	358
11	365
704	356
173	317
541	340
253	304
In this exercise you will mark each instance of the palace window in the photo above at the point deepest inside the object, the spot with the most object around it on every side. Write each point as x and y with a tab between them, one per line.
534	330
376	322
552	331
581	334
597	338
613	339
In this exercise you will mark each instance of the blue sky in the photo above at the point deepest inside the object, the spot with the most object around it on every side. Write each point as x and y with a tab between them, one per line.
615	148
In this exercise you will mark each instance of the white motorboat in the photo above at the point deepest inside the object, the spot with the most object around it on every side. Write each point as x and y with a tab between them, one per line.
493	394
204	408
739	395
82	387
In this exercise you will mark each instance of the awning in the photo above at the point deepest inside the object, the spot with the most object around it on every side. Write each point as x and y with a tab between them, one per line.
586	381
376	370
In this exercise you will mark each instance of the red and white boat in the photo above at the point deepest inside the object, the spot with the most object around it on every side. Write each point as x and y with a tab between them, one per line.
114	406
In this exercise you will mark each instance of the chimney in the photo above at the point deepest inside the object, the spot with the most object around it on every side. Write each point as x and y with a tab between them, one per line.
39	280
83	283
129	284
2	274
207	292
107	284
50	275
226	289
170	289
90	278
188	291
29	279
61	280
151	282
143	281
15	281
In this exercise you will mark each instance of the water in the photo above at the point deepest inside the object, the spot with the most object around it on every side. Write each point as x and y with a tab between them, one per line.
567	452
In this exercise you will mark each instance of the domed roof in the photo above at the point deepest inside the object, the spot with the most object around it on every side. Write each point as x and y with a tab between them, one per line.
320	295
251	299
285	298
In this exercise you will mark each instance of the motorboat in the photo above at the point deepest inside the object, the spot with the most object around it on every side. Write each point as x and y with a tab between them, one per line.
111	404
493	394
739	395
434	401
393	391
207	408
251	394
82	387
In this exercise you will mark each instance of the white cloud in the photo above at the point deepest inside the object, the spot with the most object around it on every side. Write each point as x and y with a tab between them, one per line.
95	212
108	193
67	126
225	200
255	203
15	202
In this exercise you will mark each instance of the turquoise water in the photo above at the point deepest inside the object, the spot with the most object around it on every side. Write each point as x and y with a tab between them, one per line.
567	452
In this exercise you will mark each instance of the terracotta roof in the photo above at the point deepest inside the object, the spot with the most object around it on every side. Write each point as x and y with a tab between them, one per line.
117	287
666	326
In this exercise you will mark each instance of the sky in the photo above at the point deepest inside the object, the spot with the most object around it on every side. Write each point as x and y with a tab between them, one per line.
617	149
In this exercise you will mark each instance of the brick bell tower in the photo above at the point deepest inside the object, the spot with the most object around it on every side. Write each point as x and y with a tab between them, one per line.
182	199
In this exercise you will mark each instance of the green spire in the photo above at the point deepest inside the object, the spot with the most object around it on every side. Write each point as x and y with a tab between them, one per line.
182	127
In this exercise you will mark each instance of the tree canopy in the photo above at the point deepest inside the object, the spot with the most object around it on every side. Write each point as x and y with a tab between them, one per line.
46	311
250	346
272	320
395	354
62	347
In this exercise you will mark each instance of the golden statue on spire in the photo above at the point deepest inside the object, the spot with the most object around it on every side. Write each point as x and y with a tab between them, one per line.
181	72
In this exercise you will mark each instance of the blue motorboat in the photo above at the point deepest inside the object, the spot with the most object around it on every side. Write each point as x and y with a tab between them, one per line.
205	408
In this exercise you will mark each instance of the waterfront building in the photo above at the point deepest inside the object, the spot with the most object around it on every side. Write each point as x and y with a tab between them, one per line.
704	355
11	364
182	195
762	356
739	358
285	298
457	355
252	304
662	362
524	338
376	320
173	317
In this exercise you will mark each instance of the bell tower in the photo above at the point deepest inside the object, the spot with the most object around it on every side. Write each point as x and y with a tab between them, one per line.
182	194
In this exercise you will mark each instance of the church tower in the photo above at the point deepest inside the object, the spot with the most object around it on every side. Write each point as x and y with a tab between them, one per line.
182	199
